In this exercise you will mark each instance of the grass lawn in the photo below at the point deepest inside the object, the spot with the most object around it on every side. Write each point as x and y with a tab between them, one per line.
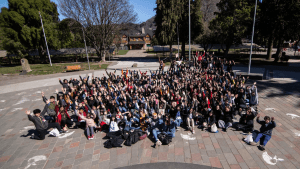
43	69
122	52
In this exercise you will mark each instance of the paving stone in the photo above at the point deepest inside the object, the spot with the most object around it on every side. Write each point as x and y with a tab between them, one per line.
230	158
215	162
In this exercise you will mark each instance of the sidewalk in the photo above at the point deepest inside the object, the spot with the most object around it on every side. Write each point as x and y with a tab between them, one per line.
19	83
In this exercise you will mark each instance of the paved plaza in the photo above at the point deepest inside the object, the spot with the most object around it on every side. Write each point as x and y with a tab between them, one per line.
278	97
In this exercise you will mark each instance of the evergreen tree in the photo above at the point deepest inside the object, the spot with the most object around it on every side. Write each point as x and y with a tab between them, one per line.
22	28
231	22
166	18
196	22
278	22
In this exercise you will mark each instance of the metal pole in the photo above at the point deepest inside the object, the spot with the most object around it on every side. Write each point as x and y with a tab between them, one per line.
252	38
87	56
190	31
45	38
178	39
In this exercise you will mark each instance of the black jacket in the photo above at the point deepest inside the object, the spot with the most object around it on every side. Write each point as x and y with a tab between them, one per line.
266	129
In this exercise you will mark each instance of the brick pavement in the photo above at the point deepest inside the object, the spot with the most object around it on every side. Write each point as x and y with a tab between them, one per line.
220	150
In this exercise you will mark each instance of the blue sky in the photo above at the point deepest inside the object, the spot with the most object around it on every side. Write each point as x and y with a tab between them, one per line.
144	8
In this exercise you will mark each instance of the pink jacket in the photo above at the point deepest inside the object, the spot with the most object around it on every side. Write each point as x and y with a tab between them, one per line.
89	122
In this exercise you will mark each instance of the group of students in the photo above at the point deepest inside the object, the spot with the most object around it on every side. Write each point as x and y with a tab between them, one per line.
188	95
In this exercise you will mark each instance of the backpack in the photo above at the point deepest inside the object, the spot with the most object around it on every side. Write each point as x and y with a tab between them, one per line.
114	142
128	139
135	137
164	138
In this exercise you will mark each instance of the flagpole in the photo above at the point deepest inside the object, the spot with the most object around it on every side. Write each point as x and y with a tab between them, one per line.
178	39
252	38
190	32
45	39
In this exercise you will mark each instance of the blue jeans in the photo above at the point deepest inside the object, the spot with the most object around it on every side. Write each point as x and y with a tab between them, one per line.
178	122
90	131
155	132
266	139
171	134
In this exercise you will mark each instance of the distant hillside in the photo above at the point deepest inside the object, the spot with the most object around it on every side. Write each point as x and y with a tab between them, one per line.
149	24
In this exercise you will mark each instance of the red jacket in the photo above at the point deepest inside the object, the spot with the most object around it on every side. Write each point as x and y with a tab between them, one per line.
58	119
84	114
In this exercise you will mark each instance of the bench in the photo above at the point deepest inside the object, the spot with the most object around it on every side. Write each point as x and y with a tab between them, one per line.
253	76
73	68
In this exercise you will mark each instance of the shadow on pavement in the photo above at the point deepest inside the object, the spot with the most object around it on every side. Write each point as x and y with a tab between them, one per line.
166	165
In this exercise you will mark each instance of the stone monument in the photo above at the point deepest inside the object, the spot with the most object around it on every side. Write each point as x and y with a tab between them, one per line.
25	66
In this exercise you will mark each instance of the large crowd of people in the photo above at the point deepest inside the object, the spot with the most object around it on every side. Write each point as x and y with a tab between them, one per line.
194	96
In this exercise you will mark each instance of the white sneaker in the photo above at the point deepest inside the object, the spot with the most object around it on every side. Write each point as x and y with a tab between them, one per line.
158	143
32	136
193	131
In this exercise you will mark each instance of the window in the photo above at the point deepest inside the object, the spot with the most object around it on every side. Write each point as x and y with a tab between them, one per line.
124	39
136	39
147	38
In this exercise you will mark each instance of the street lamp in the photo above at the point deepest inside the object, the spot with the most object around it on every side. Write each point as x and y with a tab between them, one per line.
87	56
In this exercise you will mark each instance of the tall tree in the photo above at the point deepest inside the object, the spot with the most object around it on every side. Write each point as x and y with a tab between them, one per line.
278	22
166	18
22	27
196	22
101	19
231	22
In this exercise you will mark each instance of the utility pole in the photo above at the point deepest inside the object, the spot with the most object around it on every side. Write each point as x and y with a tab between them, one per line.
45	39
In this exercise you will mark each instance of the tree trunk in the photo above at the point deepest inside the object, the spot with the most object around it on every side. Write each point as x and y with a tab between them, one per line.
103	56
270	47
183	50
279	49
205	46
226	50
171	53
42	55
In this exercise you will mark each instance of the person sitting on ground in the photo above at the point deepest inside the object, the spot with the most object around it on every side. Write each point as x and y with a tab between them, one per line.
63	118
254	96
113	126
169	126
81	123
228	116
51	107
90	124
265	131
156	126
65	84
41	124
190	120
209	120
246	122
